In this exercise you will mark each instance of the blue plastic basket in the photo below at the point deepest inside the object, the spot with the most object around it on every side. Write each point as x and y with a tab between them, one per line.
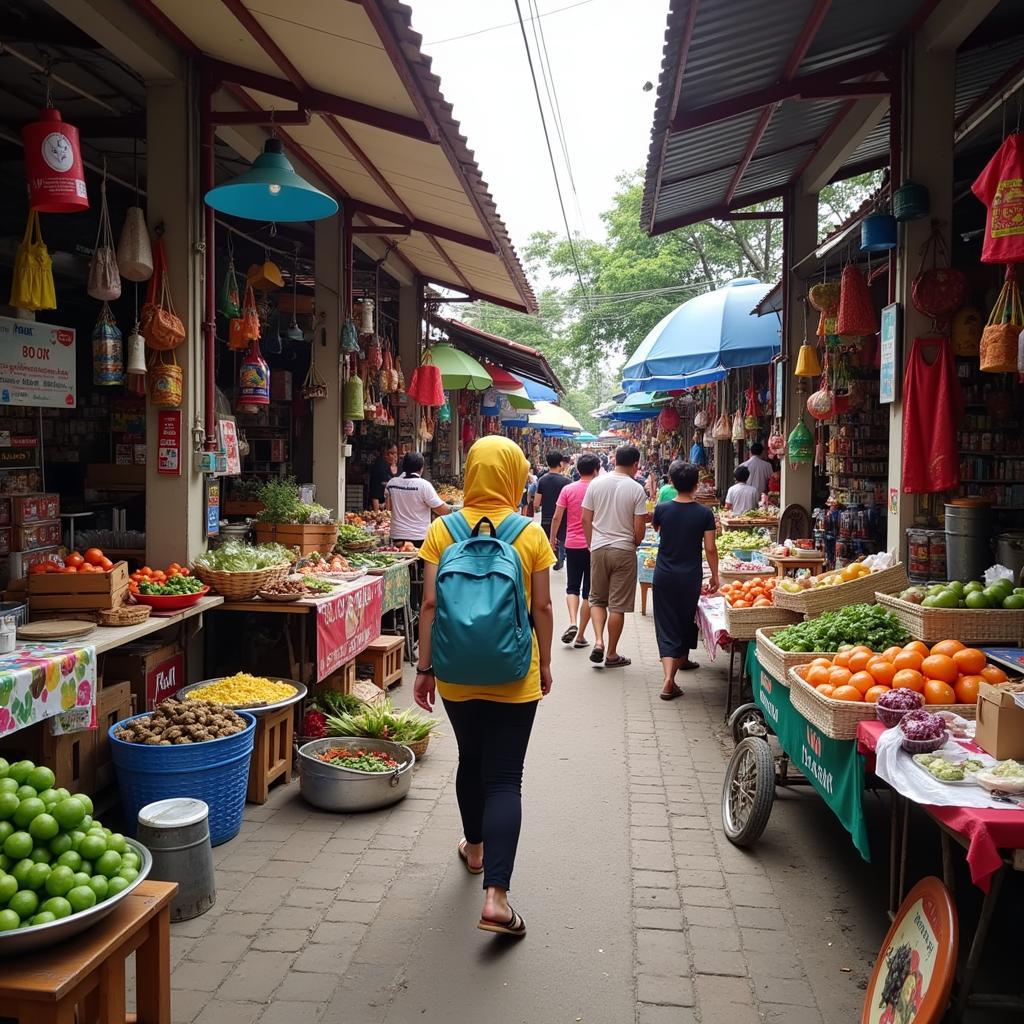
216	772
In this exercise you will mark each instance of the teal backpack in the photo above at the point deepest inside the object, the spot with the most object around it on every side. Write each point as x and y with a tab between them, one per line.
482	633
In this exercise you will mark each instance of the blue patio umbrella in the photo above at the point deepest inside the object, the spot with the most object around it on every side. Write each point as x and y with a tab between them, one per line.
701	340
536	391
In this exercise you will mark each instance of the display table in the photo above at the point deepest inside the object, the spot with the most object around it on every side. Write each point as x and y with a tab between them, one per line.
812	560
106	638
85	976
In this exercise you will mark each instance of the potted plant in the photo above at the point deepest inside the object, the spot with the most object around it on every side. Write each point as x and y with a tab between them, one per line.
287	520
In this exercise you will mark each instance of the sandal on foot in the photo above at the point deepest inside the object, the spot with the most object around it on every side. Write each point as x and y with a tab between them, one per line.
514	926
569	635
597	656
465	859
617	662
688	666
671	694
580	644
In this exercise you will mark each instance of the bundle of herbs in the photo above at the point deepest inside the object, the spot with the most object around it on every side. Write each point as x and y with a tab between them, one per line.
381	721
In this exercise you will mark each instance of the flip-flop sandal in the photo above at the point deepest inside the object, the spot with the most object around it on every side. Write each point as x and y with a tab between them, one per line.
465	860
580	644
569	635
597	656
672	694
689	666
619	662
514	926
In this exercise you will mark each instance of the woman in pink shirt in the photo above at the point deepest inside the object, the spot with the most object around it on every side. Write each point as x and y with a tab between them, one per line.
577	555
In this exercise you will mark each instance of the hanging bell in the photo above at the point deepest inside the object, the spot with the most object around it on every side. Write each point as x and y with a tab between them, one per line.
294	332
807	362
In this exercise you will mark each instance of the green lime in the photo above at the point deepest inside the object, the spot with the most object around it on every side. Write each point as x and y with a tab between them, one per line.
69	812
108	864
86	824
8	887
19	771
86	868
60	844
100	886
81	878
5	862
58	906
44	827
25	792
21	870
27	810
9	803
977	599
61	879
81	898
8	785
6	828
1014	602
9	920
116	884
44	917
71	860
76	837
24	903
41	778
130	860
92	846
117	842
62	793
19	845
49	796
956	586
5	766
41	855
129	874
85	801
37	876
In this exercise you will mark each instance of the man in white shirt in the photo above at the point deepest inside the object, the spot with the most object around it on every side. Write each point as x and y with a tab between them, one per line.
760	469
411	500
741	497
614	515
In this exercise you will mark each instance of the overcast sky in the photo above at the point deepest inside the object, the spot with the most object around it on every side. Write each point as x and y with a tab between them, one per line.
601	53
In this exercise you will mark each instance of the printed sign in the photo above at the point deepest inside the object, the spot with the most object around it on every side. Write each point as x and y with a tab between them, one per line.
212	507
888	386
164	680
346	624
780	388
37	364
168	442
229	445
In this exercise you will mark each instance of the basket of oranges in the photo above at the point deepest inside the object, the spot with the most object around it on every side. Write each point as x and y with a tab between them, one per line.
777	662
836	692
749	606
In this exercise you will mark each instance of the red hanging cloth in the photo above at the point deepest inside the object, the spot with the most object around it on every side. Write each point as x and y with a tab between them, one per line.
932	407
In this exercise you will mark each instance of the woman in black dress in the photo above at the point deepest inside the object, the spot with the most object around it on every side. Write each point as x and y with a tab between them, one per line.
685	525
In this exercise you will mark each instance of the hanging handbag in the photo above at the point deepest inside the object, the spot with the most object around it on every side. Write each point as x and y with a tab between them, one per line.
723	429
159	324
999	339
134	251
230	306
353	398
166	381
107	350
104	279
940	291
426	387
32	283
739	431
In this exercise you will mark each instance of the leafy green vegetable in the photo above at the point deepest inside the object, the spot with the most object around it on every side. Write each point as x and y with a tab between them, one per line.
867	624
349	534
237	556
381	721
746	540
174	587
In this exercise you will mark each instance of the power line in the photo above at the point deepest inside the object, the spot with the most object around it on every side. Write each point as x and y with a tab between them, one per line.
551	153
509	24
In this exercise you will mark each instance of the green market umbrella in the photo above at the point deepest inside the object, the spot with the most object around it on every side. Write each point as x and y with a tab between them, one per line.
585	437
459	370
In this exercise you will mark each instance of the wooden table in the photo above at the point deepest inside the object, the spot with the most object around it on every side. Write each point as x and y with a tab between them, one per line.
812	560
85	976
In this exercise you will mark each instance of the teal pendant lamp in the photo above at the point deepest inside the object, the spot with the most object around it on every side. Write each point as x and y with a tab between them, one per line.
271	190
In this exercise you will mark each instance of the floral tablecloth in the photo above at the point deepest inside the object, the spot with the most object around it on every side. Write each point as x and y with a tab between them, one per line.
396	586
40	681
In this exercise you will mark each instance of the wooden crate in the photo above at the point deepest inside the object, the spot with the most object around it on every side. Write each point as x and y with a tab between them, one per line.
113	704
341	679
72	757
73	591
384	655
307	538
272	753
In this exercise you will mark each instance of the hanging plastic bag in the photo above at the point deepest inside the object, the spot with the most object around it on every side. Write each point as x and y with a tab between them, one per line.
166	381
104	280
349	336
32	284
722	430
739	431
134	250
160	325
353	398
107	351
444	414
230	304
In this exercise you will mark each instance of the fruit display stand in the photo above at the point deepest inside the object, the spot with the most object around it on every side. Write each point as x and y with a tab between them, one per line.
812	560
823	598
972	626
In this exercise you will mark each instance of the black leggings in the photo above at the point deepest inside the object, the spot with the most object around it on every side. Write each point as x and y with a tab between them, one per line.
577	573
492	739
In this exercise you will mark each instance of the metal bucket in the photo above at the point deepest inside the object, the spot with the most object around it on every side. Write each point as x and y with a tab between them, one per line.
338	789
1010	552
177	833
968	541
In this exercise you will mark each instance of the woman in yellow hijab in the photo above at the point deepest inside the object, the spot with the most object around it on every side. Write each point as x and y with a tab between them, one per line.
492	723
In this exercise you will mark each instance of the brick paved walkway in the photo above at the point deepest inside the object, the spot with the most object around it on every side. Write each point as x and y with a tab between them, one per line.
639	910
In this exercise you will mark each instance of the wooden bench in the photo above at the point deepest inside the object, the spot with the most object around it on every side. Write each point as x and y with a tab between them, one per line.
384	655
272	753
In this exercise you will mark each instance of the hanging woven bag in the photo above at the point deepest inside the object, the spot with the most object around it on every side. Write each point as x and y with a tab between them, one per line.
856	314
134	250
739	431
159	324
353	398
723	428
821	405
426	387
166	381
941	290
668	419
104	279
349	336
107	350
999	339
32	284
824	297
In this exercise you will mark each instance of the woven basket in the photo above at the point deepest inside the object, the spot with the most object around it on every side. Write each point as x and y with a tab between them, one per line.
241	586
741	577
743	623
862	591
126	615
419	747
968	625
839	718
362	545
777	662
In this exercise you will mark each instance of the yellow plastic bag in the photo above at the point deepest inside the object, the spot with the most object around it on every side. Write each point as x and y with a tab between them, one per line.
32	284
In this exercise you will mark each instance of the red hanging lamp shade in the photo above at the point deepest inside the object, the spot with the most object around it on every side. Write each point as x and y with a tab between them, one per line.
53	165
856	312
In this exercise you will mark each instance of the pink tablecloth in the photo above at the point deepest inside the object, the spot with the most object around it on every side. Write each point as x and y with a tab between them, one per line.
711	622
987	831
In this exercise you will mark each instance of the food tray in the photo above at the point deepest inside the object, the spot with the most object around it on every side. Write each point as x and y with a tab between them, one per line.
263	595
862	591
840	718
25	940
967	781
743	623
969	625
777	662
256	709
171	602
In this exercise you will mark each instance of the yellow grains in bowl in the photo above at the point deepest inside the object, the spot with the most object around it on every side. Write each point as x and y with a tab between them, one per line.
242	689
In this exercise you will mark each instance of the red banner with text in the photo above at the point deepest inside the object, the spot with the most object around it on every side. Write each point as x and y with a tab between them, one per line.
346	624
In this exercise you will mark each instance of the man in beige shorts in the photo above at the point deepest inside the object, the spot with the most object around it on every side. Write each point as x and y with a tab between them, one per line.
614	519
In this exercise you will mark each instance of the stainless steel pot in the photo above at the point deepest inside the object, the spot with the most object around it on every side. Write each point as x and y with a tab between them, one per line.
339	789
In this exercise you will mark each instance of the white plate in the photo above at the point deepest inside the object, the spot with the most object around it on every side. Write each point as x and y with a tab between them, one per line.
952	758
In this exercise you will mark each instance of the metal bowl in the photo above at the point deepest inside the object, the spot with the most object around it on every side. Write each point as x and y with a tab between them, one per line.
256	709
25	940
339	789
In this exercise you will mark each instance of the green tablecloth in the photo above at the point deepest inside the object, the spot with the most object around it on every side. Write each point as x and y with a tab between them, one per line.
833	767
396	586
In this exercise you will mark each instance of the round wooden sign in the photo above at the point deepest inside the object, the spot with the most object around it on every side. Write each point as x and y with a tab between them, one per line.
914	972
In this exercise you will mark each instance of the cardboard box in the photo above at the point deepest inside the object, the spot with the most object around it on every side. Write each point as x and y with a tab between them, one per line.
36	536
1000	726
35	508
156	671
71	591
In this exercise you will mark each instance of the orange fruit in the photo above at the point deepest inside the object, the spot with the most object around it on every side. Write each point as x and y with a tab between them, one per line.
992	674
106	564
882	671
817	674
822	661
966	689
908	659
862	647
908	679
890	653
74	559
839	676
94	556
825	690
939	666
859	660
763	602
874	692
850	693
842	659
919	646
741	603
938	692
863	681
947	647
970	661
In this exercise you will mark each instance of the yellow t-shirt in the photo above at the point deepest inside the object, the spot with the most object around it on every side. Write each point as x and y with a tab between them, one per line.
535	552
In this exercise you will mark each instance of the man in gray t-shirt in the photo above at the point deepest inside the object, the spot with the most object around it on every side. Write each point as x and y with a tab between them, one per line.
614	516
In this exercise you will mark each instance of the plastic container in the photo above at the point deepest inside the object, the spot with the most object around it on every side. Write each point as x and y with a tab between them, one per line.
216	772
924	746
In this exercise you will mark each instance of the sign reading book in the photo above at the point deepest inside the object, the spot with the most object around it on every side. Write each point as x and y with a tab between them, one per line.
37	364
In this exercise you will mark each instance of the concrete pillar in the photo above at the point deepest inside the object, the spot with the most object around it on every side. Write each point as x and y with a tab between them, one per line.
175	510
408	415
801	238
328	462
928	160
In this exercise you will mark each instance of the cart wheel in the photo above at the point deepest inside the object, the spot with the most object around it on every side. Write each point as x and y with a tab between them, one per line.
747	720
749	791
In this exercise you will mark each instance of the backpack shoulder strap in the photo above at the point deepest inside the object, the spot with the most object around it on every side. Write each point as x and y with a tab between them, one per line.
511	526
456	525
